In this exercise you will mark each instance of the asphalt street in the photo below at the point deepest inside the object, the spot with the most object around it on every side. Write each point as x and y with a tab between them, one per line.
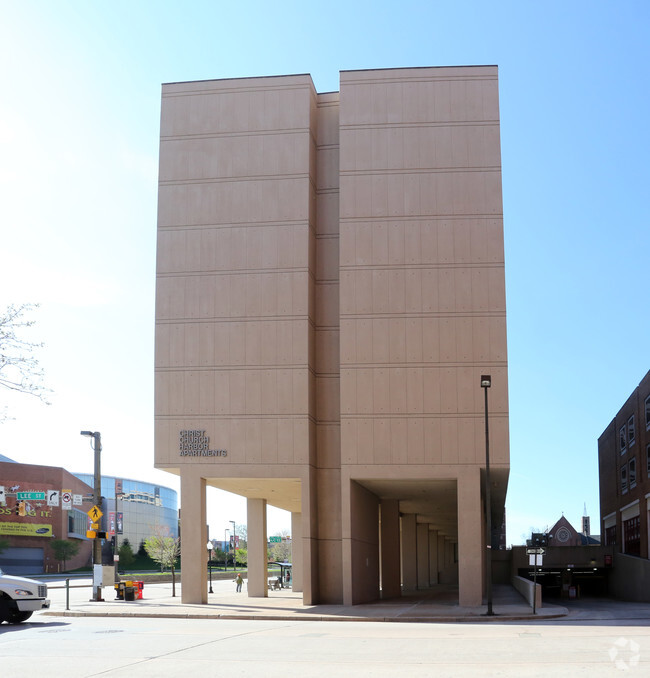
82	647
596	638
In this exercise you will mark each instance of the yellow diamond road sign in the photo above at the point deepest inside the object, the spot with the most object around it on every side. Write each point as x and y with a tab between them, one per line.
95	513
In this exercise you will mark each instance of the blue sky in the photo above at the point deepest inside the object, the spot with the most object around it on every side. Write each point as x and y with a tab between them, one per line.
79	126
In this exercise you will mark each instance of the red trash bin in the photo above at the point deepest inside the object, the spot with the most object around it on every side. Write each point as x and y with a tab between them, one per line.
139	589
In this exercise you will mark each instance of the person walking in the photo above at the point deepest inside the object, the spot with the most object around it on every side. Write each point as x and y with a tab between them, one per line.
239	582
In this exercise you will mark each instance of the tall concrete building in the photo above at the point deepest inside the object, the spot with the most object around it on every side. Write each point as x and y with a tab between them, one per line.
330	289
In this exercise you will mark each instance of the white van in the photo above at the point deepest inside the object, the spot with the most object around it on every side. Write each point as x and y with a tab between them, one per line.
20	597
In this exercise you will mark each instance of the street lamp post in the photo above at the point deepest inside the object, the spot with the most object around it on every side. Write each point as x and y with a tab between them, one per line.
234	546
486	383
210	546
97	545
226	543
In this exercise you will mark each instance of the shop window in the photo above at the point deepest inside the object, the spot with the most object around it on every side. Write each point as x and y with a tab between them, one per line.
630	431
622	439
632	473
624	479
632	536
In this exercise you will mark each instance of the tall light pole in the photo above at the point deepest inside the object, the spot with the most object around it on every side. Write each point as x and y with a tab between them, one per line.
486	383
97	544
226	543
210	546
234	546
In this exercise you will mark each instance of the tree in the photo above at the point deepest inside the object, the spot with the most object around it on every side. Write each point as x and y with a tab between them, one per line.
125	552
242	532
64	549
19	368
242	556
280	552
163	549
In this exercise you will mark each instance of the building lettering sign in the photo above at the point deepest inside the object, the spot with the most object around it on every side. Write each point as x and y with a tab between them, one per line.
25	530
194	443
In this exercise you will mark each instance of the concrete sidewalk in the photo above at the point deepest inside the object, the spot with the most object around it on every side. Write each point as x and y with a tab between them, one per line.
439	604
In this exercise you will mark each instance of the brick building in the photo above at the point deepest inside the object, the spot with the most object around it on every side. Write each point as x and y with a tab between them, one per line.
624	473
29	551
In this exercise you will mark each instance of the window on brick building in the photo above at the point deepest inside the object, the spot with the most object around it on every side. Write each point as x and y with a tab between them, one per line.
630	431
632	536
610	535
647	459
622	439
632	473
647	413
624	479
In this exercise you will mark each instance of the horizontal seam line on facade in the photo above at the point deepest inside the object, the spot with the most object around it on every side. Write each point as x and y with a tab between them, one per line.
196	415
233	180
235	368
246	319
233	90
401	171
413	124
237	271
235	224
280	131
402	78
434	266
236	319
412	315
330	375
420	415
328	191
343	316
417	217
421	365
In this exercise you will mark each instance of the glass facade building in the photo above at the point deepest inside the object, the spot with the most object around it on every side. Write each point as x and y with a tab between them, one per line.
135	509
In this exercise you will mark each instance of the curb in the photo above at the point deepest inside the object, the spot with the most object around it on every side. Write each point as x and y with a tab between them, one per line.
320	618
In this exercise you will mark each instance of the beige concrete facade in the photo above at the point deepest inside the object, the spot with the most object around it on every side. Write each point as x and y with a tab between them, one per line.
330	287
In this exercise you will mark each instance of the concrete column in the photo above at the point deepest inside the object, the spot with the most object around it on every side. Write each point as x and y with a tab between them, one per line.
422	545
364	545
194	573
409	553
257	556
433	556
470	528
390	573
296	552
441	556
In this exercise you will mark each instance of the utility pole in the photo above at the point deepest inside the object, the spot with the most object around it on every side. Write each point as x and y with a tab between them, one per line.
97	543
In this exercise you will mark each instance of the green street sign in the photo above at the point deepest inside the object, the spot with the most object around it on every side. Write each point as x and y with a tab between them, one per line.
21	496
275	540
